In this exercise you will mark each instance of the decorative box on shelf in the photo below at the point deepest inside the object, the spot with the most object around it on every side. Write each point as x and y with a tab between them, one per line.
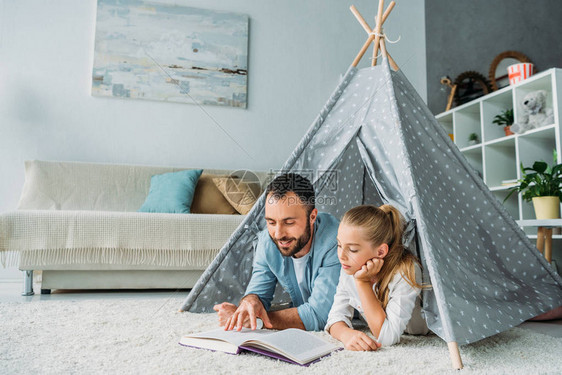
497	157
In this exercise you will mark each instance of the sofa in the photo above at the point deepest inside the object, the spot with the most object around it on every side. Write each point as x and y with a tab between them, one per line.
79	224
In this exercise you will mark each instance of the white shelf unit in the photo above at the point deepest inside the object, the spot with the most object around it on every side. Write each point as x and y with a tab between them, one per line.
498	157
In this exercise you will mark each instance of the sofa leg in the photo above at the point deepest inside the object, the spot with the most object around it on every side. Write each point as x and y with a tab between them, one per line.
45	291
27	283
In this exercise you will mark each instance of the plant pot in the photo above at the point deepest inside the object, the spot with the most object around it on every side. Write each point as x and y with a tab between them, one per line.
507	130
546	207
472	143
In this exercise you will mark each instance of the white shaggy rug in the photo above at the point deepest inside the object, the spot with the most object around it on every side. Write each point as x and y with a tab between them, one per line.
133	336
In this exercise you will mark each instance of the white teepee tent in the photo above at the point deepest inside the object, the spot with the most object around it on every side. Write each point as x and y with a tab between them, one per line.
376	142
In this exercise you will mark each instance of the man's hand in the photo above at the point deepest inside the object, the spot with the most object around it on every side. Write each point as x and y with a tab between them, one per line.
225	311
369	270
358	341
250	308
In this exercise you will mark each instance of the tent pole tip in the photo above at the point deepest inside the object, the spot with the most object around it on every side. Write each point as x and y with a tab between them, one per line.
455	355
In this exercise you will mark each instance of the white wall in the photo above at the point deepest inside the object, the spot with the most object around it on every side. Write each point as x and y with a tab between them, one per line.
297	51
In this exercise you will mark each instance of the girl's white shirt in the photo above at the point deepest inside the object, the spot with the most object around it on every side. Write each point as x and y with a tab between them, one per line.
403	311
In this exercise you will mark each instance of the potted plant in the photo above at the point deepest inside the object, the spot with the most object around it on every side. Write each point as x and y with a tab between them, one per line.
505	119
473	139
541	184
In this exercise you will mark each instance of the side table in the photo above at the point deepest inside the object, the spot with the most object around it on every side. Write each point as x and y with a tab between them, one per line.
544	233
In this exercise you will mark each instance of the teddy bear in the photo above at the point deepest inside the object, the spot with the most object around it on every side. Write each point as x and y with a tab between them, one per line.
533	113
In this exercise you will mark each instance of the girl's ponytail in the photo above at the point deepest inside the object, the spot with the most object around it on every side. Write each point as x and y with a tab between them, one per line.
397	227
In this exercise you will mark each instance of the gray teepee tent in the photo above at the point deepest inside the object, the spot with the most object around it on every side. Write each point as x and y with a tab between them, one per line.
376	142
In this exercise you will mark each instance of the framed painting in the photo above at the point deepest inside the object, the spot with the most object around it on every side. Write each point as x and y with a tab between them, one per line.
163	52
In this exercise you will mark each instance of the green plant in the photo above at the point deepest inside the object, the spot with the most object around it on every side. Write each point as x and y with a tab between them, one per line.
505	118
473	137
544	181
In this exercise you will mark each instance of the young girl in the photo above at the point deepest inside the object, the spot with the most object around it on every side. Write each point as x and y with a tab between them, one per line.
379	278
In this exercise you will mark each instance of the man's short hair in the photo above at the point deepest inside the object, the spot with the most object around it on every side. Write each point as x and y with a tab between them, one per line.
292	182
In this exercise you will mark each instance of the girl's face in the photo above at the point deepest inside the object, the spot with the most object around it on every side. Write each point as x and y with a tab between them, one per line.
353	248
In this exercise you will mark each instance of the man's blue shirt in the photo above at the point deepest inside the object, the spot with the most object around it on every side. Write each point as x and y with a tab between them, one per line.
321	277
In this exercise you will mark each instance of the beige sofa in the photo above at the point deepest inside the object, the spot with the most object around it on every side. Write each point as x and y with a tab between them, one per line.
78	223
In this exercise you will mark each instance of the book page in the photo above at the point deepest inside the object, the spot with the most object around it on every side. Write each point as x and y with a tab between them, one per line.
296	344
233	337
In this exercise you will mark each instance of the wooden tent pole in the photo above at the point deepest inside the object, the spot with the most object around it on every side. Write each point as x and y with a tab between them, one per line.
360	19
364	23
388	10
378	29
387	55
384	17
383	48
393	63
455	355
370	32
362	51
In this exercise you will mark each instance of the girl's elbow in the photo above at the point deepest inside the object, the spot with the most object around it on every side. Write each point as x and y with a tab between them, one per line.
388	339
388	336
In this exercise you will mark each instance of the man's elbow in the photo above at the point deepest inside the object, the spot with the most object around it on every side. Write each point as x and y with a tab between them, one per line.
312	319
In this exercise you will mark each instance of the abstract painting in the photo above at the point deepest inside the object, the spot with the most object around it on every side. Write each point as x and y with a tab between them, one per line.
156	51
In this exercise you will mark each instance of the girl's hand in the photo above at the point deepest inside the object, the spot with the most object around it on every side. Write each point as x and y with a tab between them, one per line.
359	341
370	270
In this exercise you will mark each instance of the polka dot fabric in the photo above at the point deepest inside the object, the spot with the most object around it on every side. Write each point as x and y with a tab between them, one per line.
376	142
486	275
228	274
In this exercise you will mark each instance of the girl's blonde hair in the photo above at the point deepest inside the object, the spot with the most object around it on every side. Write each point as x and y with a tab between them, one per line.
384	224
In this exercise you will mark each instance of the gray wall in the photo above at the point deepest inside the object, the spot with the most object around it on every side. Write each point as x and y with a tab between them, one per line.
467	35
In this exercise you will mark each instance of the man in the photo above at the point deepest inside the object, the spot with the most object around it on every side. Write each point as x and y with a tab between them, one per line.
298	250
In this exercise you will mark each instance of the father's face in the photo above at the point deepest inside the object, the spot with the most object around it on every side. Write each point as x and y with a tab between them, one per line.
288	224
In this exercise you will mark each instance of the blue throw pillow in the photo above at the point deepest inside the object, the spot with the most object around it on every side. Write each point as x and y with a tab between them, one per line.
171	192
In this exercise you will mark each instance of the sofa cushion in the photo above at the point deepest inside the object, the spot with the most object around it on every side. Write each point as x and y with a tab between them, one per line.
62	185
172	192
87	186
239	193
208	199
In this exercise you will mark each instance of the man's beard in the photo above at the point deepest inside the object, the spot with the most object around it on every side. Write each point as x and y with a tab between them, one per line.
300	243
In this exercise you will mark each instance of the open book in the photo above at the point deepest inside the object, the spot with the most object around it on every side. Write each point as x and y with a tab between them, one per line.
291	345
